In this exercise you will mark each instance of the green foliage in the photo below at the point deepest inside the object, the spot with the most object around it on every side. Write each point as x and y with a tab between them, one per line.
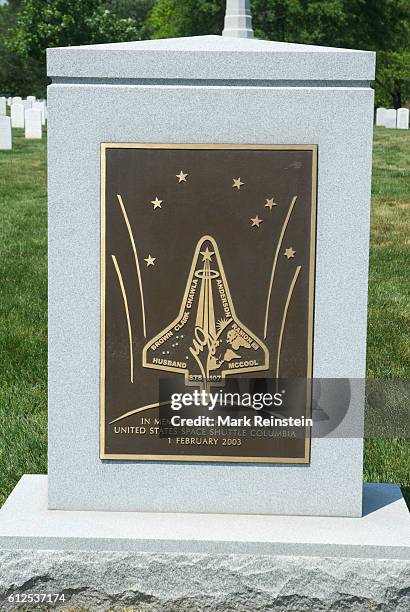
393	78
313	22
16	74
136	10
21	76
173	18
29	27
61	23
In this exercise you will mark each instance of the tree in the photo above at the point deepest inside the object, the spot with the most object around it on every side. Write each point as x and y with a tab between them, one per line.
38	25
137	10
393	78
173	18
17	75
285	20
61	23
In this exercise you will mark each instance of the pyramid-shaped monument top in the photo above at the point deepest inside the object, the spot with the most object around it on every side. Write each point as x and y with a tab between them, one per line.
209	58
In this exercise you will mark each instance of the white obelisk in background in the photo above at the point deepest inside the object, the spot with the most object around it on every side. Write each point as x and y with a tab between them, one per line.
238	19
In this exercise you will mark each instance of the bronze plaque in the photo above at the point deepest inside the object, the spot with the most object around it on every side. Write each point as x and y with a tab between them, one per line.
207	281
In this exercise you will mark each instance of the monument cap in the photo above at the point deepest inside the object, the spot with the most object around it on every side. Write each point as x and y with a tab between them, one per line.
209	58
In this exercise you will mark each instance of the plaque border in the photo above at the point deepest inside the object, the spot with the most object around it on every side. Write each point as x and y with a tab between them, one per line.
311	301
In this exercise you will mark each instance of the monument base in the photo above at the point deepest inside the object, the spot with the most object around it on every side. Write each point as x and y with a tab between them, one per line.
168	562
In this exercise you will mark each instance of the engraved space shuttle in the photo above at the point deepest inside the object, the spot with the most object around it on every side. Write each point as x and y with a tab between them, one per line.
207	341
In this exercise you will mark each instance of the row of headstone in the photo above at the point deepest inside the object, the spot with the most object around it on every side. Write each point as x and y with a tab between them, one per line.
29	114
392	118
29	102
31	119
12	100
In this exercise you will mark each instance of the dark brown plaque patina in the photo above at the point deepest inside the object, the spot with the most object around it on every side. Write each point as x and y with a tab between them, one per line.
207	280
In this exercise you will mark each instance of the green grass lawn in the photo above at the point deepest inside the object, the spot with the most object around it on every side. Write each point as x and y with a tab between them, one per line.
23	311
388	349
23	303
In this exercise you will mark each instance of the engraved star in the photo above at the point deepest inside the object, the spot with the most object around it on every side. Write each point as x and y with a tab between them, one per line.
237	183
270	203
150	261
290	253
256	221
157	203
182	177
207	255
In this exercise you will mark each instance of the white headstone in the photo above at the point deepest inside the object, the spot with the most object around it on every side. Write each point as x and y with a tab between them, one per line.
9	100
33	123
17	115
5	132
238	19
31	98
3	106
403	119
41	107
16	99
391	118
27	104
381	116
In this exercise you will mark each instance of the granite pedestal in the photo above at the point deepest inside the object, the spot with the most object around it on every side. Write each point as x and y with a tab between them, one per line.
168	562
